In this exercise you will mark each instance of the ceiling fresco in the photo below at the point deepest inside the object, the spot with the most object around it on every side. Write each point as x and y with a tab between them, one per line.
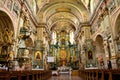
64	14
63	25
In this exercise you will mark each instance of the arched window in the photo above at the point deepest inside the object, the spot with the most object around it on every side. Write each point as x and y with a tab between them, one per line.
71	37
54	38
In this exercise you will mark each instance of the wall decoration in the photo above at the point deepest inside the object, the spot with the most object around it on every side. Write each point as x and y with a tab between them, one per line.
16	9
9	4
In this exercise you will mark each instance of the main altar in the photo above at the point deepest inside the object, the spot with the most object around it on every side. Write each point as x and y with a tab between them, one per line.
64	52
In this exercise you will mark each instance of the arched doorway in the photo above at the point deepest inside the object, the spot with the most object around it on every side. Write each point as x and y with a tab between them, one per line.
99	51
6	37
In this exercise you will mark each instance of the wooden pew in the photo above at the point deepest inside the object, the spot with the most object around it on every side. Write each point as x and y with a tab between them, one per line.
100	74
25	75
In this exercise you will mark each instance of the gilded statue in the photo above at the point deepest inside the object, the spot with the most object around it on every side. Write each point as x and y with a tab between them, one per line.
8	36
11	55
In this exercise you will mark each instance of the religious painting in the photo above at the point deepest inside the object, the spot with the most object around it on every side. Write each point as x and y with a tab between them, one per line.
90	55
38	55
63	54
38	60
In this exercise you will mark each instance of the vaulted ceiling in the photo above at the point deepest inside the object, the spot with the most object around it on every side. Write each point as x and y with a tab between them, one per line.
63	14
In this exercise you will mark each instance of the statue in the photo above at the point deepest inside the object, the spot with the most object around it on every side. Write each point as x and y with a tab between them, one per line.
25	24
26	53
8	36
11	55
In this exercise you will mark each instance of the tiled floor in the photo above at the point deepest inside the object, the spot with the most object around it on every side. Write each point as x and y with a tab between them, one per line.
65	77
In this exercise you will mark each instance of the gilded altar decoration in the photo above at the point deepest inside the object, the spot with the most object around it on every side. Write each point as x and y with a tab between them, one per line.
38	55
8	35
63	54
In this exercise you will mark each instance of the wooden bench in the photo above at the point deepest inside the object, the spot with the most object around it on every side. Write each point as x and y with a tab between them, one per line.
100	74
25	75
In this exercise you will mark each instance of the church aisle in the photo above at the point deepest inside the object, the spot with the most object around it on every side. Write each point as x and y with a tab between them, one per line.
65	77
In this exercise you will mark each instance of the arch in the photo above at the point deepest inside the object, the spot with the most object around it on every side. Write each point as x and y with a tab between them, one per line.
6	34
71	18
98	34
116	32
51	9
99	51
65	20
117	27
114	22
99	45
11	18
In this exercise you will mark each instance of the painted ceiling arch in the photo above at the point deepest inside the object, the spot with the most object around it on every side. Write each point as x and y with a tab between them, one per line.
74	11
6	21
61	16
63	20
63	26
69	7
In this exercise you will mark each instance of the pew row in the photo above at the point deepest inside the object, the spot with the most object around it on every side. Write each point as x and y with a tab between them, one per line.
100	74
25	75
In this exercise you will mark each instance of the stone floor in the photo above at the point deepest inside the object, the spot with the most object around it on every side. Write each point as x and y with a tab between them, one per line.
65	77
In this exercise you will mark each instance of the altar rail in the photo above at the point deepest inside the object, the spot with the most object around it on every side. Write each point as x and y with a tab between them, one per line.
98	74
25	75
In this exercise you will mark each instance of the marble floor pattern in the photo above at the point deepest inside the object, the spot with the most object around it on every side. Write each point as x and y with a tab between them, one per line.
65	77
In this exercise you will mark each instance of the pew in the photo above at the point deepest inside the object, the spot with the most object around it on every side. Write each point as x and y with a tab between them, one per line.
100	74
25	75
